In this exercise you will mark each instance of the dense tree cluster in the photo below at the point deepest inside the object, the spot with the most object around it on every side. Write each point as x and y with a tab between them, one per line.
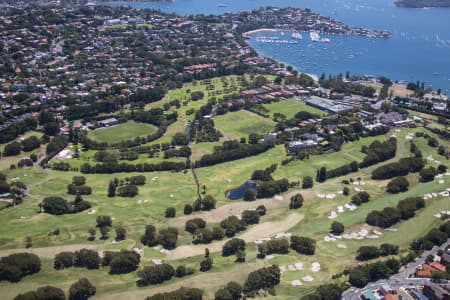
166	237
371	252
109	168
378	152
391	215
78	187
436	236
232	291
27	145
155	274
15	266
401	168
122	262
279	246
343	170
303	245
43	293
326	292
360	197
60	206
182	293
129	190
364	274
232	150
265	278
267	189
264	175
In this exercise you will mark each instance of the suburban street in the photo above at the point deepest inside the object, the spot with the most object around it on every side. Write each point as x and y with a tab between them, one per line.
400	279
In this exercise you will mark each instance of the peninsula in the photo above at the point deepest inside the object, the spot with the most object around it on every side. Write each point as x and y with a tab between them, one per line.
422	3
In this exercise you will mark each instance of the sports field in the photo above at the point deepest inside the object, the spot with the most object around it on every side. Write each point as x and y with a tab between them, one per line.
121	132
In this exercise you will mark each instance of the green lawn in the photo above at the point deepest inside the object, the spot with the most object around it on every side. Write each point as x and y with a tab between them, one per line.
241	123
290	107
122	132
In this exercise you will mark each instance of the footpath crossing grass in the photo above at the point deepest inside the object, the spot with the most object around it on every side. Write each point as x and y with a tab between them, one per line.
290	107
122	132
242	123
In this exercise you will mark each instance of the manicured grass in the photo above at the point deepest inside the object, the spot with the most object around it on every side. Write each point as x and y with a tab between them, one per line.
121	132
241	123
171	189
290	107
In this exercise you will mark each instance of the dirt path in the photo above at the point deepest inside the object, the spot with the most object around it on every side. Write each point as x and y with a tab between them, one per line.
50	252
235	208
262	230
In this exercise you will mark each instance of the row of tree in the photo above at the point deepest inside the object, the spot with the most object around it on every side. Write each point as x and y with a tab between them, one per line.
371	252
59	206
81	289
27	145
401	168
389	216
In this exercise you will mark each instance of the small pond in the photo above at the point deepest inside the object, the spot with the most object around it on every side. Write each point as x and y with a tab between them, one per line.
238	193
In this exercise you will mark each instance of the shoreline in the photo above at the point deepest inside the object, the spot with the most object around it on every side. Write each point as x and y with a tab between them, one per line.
261	30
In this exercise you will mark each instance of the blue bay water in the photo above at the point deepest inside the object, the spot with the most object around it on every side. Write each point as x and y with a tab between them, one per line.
418	50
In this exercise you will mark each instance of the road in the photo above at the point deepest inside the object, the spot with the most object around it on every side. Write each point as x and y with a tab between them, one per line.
401	279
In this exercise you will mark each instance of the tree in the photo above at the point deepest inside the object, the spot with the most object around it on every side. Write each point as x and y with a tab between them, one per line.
124	262
104	232
321	174
111	189
296	201
307	182
206	264
397	185
54	205
337	228
427	174
168	238
64	260
149	238
170	212
92	232
121	234
12	149
81	290
232	246
208	202
104	221
87	258
249	195
240	256
194	224
345	191
187	209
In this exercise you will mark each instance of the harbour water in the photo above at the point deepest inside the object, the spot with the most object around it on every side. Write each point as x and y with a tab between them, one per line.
418	50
